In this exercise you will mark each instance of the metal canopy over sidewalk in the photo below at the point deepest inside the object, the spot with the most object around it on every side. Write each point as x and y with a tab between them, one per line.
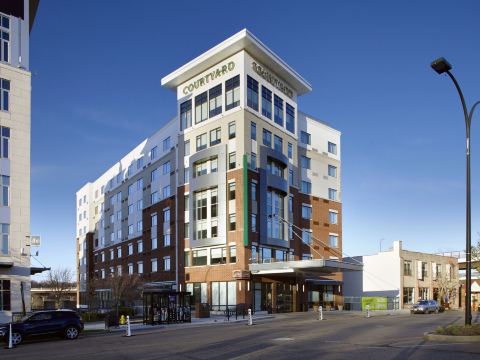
304	267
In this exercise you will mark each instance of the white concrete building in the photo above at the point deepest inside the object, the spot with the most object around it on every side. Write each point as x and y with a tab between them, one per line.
16	19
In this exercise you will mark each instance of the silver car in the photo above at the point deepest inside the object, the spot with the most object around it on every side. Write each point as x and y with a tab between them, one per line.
425	307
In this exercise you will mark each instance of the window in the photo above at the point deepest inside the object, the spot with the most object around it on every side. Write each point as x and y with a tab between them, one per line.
201	107
4	94
154	243
252	93
5	303
140	205
201	142
166	192
140	246
332	194
332	171
130	249
112	252
290	123
305	161
5	183
139	226
153	153
154	219
130	229
254	222
186	148
201	168
103	256
213	165
278	110
4	245
166	168
5	139
186	230
290	177
332	148
166	144
4	38
154	197
112	218
154	175
306	212
231	130
199	257
424	270
305	137
214	227
213	203
290	151
253	191
186	175
130	269
119	270
119	215
119	252
166	239
275	213
140	163
218	256
333	240
186	114
267	138
266	102
253	161
253	131
231	161
232	222
408	295
407	268
215	136
306	187
130	189
231	191
215	95
232	92
154	265
166	216
275	167
200	203
333	217
233	254
278	143
140	184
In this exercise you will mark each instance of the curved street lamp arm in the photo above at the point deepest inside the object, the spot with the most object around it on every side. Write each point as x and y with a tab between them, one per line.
464	105
472	110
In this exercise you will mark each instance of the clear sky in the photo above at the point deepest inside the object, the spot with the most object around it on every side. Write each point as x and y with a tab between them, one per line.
96	94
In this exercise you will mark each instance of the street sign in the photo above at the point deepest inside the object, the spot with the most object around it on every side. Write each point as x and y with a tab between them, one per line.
34	240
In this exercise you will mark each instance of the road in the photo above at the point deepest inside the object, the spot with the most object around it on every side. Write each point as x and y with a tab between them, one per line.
288	336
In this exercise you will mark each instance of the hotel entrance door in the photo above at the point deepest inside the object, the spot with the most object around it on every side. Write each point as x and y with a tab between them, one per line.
263	297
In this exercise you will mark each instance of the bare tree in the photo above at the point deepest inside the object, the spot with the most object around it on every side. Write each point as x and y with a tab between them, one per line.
446	284
60	281
123	288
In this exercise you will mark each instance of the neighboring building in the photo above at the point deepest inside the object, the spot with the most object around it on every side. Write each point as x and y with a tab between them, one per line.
43	298
404	277
16	20
237	180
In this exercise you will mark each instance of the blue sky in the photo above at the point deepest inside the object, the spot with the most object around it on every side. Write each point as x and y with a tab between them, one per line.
96	94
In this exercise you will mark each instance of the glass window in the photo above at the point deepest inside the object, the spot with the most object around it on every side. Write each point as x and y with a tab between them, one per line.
253	161
218	256
4	94
290	123
166	168
332	148
154	175
290	177
154	265
5	38
253	191
231	191
4	245
215	136
333	217
290	151
306	187
253	131
154	219
201	107
305	137
154	243
186	114
252	93
187	258
278	110
153	153
231	161
5	139
166	263
5	299
332	194
166	192
231	130
213	202
232	222
215	95
201	142
274	167
254	222
139	163
214	226
305	161
266	102
333	240
166	144
186	148
232	92
267	138
5	183
233	254
408	295
154	197
306	211
407	267
275	214
332	171
140	184
199	257
278	143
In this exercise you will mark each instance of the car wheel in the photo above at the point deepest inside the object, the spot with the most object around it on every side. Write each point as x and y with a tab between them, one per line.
16	338
71	333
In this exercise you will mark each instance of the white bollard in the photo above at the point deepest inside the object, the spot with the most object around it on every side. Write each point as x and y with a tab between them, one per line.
368	310
250	319
320	313
10	342
129	332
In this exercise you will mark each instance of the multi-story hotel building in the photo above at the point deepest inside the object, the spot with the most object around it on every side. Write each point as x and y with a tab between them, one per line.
16	20
237	199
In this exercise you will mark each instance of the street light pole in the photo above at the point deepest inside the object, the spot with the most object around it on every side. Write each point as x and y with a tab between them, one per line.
443	66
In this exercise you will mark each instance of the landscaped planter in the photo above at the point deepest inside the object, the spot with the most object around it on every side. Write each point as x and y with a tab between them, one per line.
452	338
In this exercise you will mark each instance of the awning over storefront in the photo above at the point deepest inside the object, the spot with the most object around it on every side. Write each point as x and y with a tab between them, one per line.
6	264
38	270
304	268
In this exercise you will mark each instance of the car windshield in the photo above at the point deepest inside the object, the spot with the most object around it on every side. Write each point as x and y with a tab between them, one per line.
423	302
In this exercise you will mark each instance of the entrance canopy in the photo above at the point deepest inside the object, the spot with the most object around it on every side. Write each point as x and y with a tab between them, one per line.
304	267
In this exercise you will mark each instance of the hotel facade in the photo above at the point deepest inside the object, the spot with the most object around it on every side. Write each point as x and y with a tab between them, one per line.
16	20
237	199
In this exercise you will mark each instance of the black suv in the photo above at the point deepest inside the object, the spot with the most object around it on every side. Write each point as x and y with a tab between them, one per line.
66	323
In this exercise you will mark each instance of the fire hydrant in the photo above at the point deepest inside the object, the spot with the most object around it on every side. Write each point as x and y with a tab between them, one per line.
122	320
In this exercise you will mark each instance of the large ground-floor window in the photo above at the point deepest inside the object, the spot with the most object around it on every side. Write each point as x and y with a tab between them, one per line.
223	294
408	295
198	292
5	295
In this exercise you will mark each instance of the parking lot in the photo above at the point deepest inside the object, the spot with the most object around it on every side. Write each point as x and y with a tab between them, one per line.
342	335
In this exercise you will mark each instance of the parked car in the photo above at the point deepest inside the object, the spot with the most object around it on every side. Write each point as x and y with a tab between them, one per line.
425	307
65	323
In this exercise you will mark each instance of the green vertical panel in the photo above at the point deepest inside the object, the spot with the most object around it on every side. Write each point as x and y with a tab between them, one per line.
245	200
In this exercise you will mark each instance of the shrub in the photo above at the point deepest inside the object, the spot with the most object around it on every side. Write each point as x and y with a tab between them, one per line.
459	330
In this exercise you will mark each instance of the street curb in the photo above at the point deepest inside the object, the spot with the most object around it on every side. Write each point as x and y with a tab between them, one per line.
451	338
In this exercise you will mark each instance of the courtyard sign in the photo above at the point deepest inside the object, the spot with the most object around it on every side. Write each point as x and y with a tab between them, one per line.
220	71
272	79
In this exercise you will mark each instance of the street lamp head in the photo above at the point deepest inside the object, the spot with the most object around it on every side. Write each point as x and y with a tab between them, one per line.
441	65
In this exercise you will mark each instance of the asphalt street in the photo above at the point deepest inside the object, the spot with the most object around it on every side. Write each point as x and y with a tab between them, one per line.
288	336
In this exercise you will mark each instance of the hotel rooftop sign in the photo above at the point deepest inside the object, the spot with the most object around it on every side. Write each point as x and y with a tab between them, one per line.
272	79
219	71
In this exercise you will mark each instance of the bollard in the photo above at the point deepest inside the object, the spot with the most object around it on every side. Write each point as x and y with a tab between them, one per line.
129	332
367	308
320	313
10	342
250	319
